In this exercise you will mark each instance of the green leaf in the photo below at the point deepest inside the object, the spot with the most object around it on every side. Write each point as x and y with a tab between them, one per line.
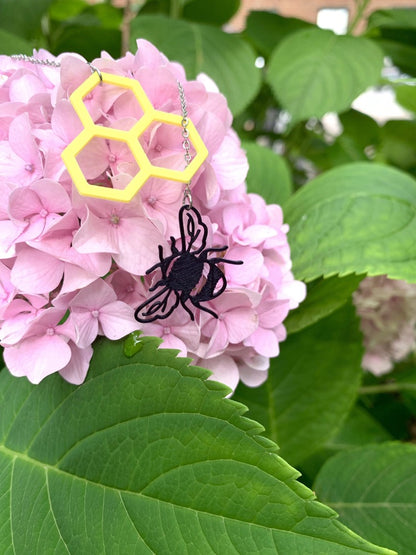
406	96
266	30
226	58
361	128
311	387
148	457
268	174
358	218
395	18
398	143
313	72
12	44
395	32
23	18
324	296
214	12
89	41
374	490
359	429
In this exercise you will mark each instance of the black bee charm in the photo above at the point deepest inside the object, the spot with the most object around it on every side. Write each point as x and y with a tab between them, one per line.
187	274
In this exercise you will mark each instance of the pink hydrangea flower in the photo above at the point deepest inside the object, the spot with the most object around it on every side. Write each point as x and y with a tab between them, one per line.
72	267
387	309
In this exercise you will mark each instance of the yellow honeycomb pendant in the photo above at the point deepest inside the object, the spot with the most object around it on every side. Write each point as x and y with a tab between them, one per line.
130	138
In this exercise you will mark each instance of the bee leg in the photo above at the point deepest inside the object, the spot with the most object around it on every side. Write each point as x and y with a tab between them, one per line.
205	309
188	310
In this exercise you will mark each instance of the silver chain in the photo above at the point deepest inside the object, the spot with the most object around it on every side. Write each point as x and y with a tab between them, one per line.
186	144
49	63
33	60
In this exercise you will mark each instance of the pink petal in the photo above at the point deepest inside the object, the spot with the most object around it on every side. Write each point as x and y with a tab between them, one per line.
24	202
37	357
86	327
76	369
224	370
240	322
264	342
36	272
172	342
95	296
243	274
117	320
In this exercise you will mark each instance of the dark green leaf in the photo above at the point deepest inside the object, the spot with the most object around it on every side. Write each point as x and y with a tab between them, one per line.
269	174
88	41
359	429
148	457
266	30
23	17
394	18
226	58
324	296
311	387
215	12
358	218
398	144
374	490
313	71
361	128
12	44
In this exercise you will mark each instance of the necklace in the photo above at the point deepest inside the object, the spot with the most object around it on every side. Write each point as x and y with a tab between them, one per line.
189	275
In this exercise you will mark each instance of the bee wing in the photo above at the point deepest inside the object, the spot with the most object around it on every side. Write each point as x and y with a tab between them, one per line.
159	306
193	230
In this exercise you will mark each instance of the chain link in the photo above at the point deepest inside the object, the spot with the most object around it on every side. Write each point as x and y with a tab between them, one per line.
37	61
186	144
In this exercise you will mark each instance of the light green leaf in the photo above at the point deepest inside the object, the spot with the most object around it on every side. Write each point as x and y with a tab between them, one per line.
374	490
311	386
324	296
148	457
313	72
406	96
226	58
358	218
268	175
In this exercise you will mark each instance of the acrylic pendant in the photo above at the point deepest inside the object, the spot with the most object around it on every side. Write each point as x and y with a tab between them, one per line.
189	276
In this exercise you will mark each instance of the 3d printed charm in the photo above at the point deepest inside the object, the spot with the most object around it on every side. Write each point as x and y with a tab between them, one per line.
188	274
129	137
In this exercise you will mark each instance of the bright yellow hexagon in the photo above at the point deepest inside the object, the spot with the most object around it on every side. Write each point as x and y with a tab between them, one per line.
130	137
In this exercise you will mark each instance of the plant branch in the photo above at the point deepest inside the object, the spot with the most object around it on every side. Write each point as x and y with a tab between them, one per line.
128	15
392	387
361	6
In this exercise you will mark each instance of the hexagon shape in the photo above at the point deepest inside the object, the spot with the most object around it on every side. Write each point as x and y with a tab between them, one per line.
130	137
87	189
77	97
185	175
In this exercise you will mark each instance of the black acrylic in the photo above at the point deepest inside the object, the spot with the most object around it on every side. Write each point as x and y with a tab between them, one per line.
183	270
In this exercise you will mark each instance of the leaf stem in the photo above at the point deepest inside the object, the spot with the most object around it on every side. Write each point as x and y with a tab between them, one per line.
128	15
175	9
361	6
392	387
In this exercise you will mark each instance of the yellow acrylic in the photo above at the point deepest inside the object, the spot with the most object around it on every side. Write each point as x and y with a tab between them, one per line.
130	137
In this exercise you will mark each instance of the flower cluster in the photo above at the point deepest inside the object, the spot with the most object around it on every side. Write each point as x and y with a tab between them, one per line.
387	309
72	267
